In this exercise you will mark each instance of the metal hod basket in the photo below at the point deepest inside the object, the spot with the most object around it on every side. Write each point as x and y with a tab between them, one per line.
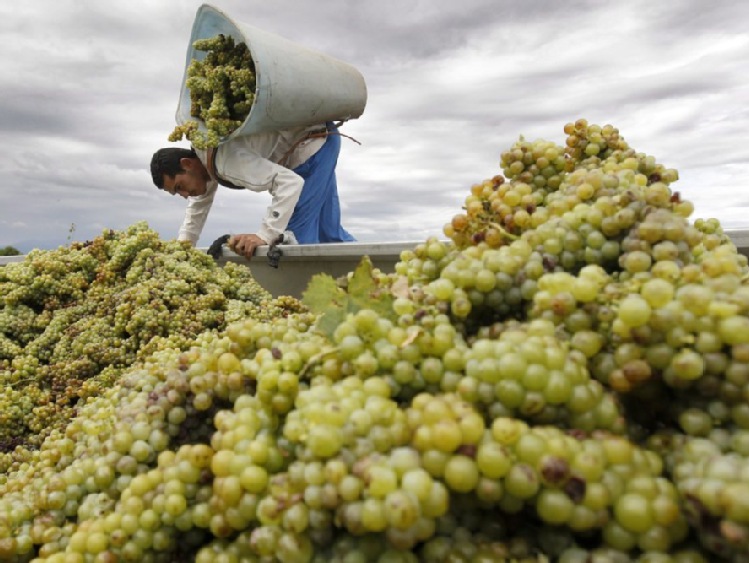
295	86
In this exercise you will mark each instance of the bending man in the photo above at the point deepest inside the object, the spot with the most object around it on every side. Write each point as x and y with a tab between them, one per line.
296	166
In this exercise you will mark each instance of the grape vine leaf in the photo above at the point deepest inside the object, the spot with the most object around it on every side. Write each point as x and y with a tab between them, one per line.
400	287
327	300
332	303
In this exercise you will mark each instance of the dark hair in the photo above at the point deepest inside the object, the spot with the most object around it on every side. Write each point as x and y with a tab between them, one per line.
166	161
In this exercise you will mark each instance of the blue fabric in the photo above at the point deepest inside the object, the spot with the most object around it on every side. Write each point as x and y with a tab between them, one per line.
317	215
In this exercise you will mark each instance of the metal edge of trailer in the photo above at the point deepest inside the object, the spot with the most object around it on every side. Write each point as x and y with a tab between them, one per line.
298	263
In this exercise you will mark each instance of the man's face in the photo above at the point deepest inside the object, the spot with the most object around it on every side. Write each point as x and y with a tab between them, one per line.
190	183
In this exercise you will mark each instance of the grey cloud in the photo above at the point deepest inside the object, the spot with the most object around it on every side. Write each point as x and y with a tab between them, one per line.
93	90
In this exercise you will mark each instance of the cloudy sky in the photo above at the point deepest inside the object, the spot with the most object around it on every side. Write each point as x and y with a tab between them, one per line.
89	89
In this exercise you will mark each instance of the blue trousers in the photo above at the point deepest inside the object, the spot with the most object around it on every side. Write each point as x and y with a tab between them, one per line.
317	215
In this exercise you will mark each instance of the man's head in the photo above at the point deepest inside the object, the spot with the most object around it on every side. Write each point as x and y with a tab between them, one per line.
179	172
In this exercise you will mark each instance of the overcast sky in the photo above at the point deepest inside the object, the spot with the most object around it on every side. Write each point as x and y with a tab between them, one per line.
89	89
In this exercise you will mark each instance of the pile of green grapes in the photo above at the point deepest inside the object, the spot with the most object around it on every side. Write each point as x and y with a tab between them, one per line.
564	378
222	90
72	319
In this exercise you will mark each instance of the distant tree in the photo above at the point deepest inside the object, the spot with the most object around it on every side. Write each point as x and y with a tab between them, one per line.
9	251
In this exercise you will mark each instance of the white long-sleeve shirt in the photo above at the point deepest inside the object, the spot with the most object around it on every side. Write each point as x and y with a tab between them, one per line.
251	162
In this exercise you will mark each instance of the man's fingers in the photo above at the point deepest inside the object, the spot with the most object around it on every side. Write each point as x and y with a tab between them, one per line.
245	245
247	249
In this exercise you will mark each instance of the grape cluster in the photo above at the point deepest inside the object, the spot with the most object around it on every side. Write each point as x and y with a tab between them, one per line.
564	379
710	474
74	318
222	90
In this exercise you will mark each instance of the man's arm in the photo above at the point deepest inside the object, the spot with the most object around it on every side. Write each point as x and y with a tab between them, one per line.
196	214
245	167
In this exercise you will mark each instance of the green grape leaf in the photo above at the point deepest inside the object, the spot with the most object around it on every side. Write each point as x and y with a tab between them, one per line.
329	321
324	298
400	287
323	292
366	293
331	303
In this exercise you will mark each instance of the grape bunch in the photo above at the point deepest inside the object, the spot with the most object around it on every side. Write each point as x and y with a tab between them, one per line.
74	318
222	90
564	378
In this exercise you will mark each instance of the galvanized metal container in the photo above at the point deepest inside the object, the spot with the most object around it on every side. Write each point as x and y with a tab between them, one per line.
295	86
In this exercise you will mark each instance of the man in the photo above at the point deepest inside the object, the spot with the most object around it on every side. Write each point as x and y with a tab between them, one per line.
297	167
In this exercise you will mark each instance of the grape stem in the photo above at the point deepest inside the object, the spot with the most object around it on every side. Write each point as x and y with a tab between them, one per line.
317	358
411	338
502	230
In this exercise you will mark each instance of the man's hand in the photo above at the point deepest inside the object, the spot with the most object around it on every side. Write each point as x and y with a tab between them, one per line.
245	245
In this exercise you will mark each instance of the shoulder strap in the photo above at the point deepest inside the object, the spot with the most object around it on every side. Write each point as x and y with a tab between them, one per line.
211	165
314	135
283	161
